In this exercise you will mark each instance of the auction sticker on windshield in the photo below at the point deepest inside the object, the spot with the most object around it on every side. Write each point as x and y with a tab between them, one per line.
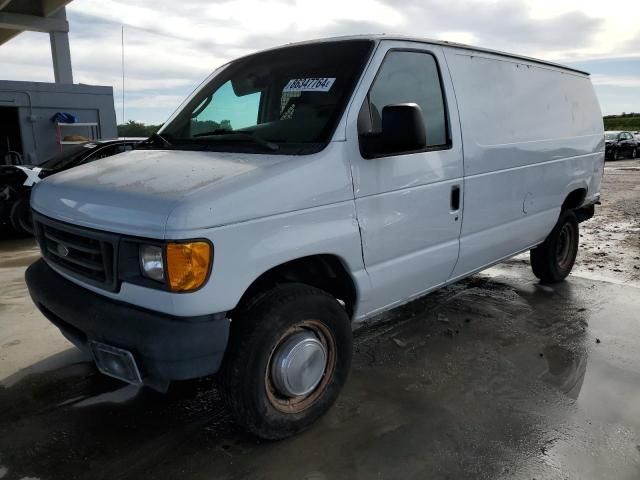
309	85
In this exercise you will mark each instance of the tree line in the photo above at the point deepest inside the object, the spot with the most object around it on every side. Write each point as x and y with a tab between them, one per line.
138	129
625	121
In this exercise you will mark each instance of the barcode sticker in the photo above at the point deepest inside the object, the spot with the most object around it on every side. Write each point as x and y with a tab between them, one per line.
309	85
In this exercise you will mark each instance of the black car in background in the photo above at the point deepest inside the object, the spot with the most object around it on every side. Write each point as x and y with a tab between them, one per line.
16	181
619	145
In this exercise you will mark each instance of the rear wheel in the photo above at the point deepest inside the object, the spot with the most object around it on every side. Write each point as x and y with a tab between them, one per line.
553	260
288	357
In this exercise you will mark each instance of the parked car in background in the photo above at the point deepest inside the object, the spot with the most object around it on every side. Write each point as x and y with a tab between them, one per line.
340	178
16	181
619	145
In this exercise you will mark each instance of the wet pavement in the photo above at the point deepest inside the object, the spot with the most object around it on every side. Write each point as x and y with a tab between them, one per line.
495	377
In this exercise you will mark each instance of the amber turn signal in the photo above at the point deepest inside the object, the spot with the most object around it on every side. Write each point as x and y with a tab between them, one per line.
188	265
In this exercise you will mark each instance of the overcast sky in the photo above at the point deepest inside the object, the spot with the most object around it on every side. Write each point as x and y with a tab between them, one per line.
171	46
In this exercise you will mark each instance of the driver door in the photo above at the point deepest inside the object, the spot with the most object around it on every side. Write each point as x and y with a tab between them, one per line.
409	205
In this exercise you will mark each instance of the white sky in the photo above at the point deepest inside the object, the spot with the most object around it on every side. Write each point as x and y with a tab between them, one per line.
171	46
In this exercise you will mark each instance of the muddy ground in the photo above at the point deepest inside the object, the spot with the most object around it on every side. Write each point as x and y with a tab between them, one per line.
494	377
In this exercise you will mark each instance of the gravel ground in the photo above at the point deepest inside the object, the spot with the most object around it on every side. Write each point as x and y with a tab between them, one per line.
610	242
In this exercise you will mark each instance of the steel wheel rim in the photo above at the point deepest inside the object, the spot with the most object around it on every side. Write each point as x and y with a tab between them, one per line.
564	247
298	403
298	364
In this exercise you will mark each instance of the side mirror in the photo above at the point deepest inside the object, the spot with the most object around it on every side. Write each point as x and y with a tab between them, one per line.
403	131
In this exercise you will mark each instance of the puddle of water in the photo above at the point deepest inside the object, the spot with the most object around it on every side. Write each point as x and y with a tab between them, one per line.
580	271
18	253
565	369
621	169
494	374
604	278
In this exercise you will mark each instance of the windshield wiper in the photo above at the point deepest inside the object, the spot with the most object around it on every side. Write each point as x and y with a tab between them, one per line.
217	131
224	134
155	137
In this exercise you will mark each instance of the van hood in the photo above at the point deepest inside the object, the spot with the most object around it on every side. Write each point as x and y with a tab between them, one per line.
159	193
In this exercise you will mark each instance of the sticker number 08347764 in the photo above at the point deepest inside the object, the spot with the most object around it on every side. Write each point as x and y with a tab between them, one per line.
309	85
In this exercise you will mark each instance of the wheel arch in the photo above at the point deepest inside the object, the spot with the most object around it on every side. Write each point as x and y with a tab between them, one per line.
574	198
327	272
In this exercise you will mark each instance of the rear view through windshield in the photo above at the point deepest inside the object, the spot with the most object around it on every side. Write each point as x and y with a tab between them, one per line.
286	97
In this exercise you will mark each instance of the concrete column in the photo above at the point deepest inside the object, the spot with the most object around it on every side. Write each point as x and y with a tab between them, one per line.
60	52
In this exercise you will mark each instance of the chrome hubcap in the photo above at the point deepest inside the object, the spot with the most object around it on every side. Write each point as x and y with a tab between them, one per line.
298	364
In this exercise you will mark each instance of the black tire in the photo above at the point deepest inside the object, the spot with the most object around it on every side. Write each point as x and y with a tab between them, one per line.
616	155
553	260
634	153
257	330
20	218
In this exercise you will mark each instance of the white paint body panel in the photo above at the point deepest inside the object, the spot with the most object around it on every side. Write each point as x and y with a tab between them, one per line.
531	135
409	233
523	136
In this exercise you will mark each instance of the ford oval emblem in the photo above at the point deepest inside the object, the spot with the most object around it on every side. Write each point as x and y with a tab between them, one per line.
62	250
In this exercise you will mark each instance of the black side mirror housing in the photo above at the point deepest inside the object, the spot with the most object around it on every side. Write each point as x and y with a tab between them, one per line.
403	131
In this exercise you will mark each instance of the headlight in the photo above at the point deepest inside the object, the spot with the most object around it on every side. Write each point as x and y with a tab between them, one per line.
151	262
188	265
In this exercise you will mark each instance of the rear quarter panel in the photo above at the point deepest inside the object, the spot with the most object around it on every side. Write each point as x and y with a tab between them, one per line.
532	133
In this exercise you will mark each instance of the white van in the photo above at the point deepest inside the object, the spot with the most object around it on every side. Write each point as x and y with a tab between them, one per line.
301	190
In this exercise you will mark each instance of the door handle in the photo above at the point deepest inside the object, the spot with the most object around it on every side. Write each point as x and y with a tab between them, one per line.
455	198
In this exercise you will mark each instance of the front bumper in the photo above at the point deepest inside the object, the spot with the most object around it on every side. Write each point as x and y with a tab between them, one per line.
165	347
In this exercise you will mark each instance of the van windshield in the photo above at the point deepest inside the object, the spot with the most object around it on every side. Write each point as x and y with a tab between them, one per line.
287	100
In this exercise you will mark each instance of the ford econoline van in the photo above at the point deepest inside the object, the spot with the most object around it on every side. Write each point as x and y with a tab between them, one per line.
298	192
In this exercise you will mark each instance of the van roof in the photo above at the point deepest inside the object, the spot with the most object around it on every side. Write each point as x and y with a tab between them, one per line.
383	36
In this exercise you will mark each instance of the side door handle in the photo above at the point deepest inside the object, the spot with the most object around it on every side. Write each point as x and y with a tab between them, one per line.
455	198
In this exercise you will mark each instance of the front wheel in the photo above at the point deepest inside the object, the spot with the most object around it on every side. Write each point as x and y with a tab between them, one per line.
288	357
634	153
553	260
20	218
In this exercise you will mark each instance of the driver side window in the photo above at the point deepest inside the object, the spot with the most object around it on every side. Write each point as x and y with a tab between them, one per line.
409	77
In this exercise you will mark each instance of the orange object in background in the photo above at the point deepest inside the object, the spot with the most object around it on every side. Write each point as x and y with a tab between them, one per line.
75	138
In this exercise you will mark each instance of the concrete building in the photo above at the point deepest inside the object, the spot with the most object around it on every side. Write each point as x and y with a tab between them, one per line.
27	132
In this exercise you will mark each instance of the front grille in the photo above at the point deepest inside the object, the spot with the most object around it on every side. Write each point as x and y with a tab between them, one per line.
81	252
